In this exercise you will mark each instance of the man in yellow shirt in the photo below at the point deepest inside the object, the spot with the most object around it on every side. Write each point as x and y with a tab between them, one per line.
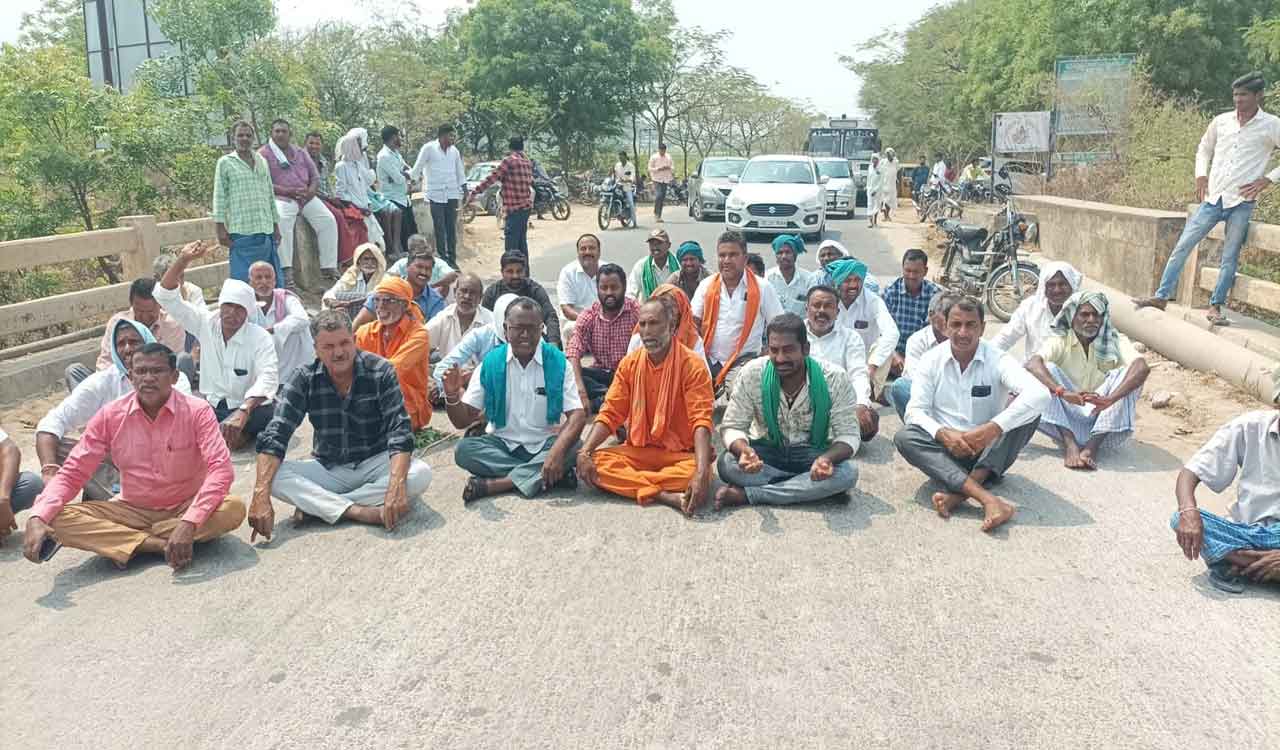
1095	376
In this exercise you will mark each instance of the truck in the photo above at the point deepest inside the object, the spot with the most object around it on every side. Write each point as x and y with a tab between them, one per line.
851	138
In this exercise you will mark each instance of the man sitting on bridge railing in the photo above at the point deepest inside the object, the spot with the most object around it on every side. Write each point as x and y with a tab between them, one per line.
239	372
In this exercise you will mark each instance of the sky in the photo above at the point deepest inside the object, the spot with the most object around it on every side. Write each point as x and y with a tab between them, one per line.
794	48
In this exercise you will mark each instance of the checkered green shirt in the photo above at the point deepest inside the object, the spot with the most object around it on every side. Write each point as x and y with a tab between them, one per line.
243	199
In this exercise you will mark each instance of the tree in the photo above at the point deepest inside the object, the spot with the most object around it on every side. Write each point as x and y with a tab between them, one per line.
683	58
57	22
338	61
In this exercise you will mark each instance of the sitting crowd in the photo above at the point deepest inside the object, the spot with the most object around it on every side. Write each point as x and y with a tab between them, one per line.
657	384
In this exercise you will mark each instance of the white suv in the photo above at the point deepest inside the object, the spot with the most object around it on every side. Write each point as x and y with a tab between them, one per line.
778	194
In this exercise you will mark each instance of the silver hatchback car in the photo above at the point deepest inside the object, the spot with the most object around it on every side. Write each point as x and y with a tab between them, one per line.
709	185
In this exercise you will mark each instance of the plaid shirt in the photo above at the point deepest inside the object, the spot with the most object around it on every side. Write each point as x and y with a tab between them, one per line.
243	198
516	173
369	421
606	339
910	313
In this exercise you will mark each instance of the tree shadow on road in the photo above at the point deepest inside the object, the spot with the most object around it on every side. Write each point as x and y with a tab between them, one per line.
1037	505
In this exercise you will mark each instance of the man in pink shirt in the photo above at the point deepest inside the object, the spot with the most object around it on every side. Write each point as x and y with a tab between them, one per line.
175	471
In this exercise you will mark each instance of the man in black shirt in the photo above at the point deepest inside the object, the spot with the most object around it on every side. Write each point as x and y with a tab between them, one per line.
515	280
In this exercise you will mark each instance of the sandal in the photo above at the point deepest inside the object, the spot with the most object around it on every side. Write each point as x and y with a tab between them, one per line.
476	488
1221	578
1217	319
1155	302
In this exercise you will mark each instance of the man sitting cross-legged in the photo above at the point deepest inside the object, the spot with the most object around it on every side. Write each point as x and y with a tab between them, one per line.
920	343
603	330
1245	546
961	429
175	471
842	347
282	315
662	393
527	393
399	337
866	314
362	468
803	412
1095	377
515	280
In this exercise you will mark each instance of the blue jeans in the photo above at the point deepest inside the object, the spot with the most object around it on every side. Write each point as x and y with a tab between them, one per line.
1198	226
25	491
899	396
517	231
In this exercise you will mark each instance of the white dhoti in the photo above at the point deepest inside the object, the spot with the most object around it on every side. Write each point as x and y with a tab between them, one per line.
1085	422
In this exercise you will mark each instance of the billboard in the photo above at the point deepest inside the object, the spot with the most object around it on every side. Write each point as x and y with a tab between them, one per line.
1021	132
1091	94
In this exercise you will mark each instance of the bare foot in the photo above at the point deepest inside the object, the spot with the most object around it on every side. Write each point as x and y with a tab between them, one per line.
945	502
300	518
1074	457
1086	456
364	514
671	500
729	496
997	515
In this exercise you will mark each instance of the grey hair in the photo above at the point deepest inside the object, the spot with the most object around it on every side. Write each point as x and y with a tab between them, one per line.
330	320
160	266
942	302
417	239
523	303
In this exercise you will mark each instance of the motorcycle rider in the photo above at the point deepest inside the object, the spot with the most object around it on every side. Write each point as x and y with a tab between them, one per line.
544	189
624	173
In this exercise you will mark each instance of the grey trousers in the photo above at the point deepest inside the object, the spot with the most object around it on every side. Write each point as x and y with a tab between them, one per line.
925	453
327	492
25	490
488	457
784	479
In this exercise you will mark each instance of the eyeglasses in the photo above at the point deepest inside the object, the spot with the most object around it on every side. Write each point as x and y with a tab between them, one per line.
144	372
387	301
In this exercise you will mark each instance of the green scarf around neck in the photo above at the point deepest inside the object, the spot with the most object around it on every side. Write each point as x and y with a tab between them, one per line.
649	277
819	401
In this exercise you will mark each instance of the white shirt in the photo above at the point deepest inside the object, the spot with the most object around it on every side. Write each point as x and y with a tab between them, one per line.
919	344
526	409
352	181
635	290
1032	320
792	296
250	351
661	168
1248	445
871	319
1239	154
93	393
445	329
441	172
939	173
625	174
733	316
943	396
291	336
575	287
843	348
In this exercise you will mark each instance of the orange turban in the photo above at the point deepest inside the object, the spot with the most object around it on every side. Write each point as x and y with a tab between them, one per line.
394	286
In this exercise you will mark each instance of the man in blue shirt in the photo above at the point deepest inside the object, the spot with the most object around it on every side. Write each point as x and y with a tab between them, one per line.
908	301
919	175
418	274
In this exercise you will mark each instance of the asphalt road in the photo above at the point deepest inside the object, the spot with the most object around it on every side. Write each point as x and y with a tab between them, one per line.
586	622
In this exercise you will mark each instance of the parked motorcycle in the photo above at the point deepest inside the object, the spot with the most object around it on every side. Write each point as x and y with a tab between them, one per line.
937	201
547	197
613	205
986	265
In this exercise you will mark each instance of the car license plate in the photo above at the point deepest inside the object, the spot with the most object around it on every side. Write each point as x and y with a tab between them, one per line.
773	223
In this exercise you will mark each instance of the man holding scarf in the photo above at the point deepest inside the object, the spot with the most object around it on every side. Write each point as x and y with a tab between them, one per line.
662	394
399	336
789	281
654	268
245	217
731	308
868	316
802	411
526	391
1095	376
296	182
693	268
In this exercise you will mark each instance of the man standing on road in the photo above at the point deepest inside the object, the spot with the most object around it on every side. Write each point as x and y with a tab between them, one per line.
908	299
576	285
624	173
362	468
789	281
1238	144
245	216
439	165
662	172
1246	546
866	315
801	411
693	268
393	183
653	269
604	332
296	182
962	429
516	174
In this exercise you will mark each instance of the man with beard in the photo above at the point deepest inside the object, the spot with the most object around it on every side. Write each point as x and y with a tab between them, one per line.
460	318
175	472
731	308
653	269
908	299
693	268
962	429
526	392
515	280
281	313
576	285
296	182
829	251
245	216
800	410
1033	320
399	336
1095	376
842	347
239	372
603	331
418	273
867	315
362	467
920	343
788	280
662	394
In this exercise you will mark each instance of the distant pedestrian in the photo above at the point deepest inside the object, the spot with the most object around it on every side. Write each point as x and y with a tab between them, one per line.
624	173
516	174
662	172
875	185
245	217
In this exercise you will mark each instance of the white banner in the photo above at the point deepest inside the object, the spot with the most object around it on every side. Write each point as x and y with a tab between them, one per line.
1022	132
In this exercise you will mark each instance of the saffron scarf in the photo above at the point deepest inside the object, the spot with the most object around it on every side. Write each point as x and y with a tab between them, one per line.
640	432
711	315
819	402
686	332
394	286
649	277
493	376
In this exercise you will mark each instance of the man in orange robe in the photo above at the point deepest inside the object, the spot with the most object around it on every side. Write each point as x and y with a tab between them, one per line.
398	335
663	394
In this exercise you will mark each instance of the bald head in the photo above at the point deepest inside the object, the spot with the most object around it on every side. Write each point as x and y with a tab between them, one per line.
655	326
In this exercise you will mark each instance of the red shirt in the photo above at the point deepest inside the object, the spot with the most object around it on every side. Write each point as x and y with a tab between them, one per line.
606	339
516	173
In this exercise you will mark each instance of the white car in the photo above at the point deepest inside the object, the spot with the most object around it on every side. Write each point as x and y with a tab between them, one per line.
778	194
842	193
